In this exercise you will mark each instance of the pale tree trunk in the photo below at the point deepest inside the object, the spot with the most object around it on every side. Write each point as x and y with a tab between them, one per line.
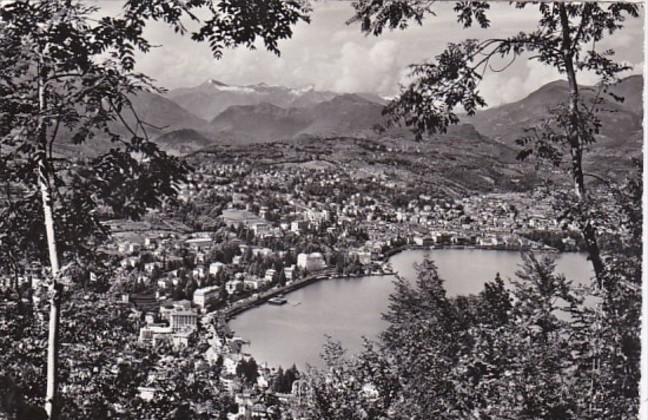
576	153
643	384
576	150
44	181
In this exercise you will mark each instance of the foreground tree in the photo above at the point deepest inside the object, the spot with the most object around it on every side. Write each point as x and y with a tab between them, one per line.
68	77
102	366
549	354
544	348
602	359
564	39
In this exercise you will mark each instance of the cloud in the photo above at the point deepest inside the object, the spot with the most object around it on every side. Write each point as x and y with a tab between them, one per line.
529	75
364	69
330	55
516	82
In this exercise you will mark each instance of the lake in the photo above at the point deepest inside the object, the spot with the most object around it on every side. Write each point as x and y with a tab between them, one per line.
347	309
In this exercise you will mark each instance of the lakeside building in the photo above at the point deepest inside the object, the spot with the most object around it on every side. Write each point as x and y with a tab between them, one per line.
364	257
183	320
270	274
311	262
233	286
179	322
202	296
289	272
254	283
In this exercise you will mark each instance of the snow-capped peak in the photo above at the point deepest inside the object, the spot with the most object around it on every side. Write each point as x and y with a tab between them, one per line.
215	84
301	91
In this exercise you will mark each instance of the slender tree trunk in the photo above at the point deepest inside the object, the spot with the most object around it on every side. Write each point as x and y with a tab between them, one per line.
576	149
45	182
16	284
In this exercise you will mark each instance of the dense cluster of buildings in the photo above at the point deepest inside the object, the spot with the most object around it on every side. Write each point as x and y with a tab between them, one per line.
277	226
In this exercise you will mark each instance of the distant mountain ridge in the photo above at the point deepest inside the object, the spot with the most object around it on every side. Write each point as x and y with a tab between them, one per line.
477	155
212	97
164	115
620	121
262	114
160	115
346	114
354	115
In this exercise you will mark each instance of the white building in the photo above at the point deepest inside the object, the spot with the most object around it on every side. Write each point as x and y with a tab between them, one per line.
199	243
260	228
183	320
233	286
262	251
203	295
269	274
364	257
253	283
311	262
215	267
289	272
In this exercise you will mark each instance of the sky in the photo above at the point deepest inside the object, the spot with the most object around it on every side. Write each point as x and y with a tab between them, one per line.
330	55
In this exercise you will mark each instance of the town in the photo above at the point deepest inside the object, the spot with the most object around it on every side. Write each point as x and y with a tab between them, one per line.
241	235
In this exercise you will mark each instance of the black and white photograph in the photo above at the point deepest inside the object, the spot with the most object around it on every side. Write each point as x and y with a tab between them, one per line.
322	210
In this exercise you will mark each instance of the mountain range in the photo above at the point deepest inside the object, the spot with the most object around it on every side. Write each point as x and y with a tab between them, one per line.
222	114
192	119
212	97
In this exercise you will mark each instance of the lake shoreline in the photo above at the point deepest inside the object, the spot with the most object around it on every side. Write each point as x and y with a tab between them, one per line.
349	308
413	247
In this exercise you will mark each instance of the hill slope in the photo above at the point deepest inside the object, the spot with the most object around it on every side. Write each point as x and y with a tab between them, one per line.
344	115
631	90
183	141
164	113
620	122
160	114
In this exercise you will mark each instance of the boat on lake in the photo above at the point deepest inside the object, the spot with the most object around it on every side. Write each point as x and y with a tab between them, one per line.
277	300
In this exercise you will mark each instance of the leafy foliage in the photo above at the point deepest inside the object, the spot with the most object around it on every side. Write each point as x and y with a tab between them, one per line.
427	104
67	79
283	381
85	68
102	365
248	370
564	39
543	349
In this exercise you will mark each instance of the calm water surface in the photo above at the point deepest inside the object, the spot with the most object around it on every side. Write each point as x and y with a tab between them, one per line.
347	309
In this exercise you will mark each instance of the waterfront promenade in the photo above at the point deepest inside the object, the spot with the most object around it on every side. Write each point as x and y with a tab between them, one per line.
263	296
